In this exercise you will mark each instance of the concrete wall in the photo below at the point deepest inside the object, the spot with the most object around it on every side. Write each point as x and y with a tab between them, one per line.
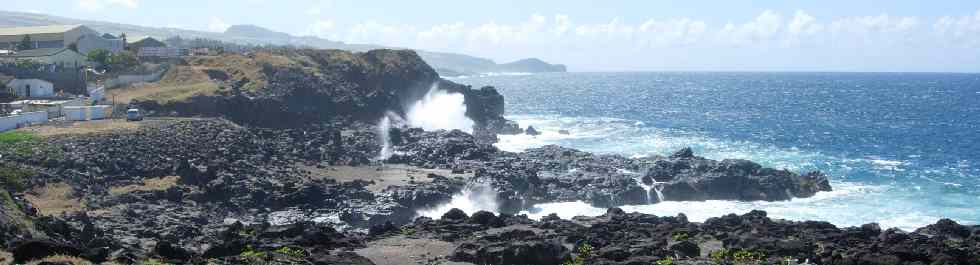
123	80
25	119
85	113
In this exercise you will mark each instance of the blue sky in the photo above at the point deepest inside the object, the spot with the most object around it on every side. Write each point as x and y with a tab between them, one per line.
827	35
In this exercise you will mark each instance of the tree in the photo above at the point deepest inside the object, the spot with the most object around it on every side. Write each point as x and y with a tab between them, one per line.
99	56
124	60
26	43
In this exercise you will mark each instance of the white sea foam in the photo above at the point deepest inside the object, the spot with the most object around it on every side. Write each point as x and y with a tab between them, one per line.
825	206
440	110
473	198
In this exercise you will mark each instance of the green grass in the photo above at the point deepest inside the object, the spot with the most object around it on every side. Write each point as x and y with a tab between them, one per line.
666	261
16	137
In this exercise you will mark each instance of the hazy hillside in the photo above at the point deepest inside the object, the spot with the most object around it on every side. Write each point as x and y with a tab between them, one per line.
447	64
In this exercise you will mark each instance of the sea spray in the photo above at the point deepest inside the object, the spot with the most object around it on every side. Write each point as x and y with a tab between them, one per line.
440	110
384	126
384	129
473	198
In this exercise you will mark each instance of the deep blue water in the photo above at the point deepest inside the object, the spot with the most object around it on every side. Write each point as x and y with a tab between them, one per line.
903	149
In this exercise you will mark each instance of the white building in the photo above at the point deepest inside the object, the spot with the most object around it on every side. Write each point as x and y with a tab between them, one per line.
62	57
58	36
31	88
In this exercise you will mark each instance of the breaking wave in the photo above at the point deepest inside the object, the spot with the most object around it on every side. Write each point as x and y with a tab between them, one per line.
440	110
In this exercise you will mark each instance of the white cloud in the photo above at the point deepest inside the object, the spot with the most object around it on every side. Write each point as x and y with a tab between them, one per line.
320	28
761	29
959	31
94	5
218	25
679	39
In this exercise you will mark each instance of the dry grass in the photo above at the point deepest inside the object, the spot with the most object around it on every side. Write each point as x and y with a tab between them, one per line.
383	177
150	184
84	127
6	257
54	199
62	259
179	83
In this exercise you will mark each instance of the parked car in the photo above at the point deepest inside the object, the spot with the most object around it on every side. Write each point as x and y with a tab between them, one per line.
134	115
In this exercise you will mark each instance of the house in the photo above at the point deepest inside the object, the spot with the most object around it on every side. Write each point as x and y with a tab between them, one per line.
31	88
58	36
135	44
62	57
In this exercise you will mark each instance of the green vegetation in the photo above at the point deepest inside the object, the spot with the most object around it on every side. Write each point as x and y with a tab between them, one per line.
26	144
408	230
12	176
583	253
26	43
666	261
99	56
295	253
251	253
681	236
123	61
741	256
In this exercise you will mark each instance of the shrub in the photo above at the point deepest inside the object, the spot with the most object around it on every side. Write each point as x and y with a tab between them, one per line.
583	253
666	261
681	236
296	253
12	176
741	256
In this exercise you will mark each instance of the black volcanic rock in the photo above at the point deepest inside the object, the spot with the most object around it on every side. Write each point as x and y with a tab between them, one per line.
556	174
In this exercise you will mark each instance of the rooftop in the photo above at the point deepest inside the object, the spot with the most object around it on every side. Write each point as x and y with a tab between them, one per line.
37	30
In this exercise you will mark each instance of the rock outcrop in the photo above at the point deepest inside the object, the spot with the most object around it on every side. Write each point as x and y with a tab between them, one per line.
298	88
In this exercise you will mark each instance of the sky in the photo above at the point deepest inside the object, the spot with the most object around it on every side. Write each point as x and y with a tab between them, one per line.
652	35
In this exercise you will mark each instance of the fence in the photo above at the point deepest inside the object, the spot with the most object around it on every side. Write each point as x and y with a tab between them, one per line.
21	120
123	80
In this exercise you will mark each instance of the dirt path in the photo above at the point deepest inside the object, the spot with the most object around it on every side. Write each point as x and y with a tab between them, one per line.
382	176
400	250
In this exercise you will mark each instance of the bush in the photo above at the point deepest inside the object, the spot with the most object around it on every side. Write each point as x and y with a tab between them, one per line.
12	176
666	261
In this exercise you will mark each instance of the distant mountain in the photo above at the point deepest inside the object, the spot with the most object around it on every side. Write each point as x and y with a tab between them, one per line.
532	65
447	64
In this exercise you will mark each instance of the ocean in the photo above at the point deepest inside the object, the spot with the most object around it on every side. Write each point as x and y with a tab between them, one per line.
901	149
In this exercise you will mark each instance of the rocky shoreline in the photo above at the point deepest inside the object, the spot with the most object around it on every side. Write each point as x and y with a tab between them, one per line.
290	174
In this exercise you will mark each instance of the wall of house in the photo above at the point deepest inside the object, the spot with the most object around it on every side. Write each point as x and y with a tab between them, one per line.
24	119
38	88
87	43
